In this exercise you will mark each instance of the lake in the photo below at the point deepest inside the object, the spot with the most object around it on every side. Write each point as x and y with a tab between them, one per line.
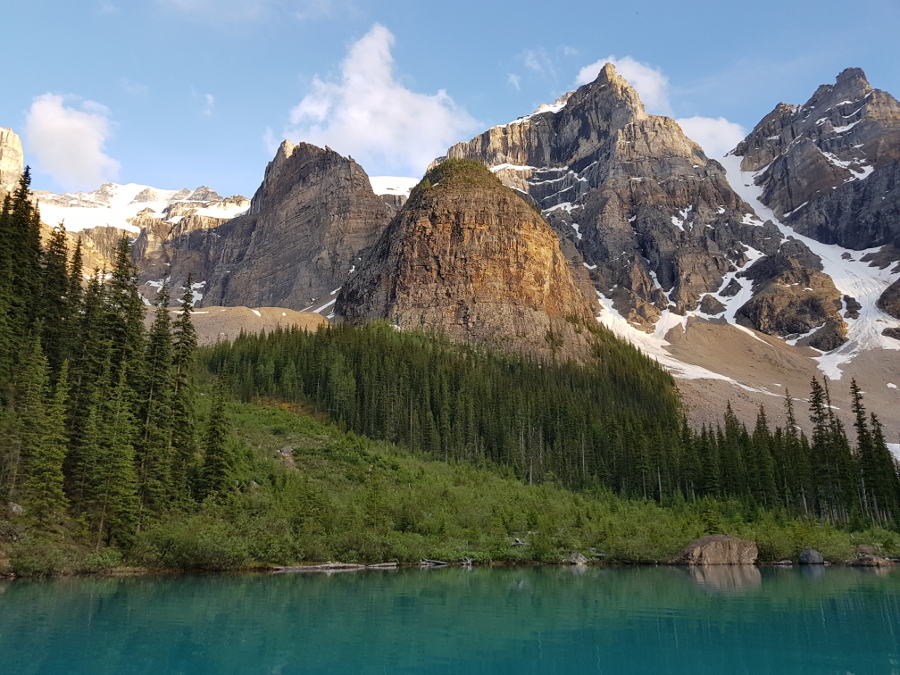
508	620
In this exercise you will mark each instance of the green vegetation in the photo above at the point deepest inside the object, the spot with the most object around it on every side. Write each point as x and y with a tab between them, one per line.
307	491
118	447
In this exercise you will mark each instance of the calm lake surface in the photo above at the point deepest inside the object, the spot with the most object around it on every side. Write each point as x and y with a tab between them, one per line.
538	620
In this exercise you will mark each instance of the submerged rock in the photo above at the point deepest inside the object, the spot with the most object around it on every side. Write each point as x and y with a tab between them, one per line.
718	549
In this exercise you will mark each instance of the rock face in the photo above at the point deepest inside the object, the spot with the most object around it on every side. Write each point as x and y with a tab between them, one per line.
718	549
470	258
797	302
653	218
830	168
12	161
314	213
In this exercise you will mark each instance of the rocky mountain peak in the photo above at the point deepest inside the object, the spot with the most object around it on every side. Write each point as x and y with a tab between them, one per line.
470	258
11	159
610	89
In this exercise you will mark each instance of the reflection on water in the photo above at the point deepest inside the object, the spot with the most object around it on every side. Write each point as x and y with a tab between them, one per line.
726	578
513	620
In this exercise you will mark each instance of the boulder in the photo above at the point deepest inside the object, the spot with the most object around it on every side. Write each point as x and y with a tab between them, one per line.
810	556
871	561
718	549
577	559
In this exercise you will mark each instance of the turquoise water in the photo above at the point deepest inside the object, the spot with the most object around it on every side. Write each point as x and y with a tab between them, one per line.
544	620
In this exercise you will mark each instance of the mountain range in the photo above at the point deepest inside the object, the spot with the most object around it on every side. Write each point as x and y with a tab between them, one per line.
745	275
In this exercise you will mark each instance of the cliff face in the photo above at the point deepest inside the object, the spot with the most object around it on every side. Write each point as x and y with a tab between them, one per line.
652	217
12	161
307	223
469	258
830	168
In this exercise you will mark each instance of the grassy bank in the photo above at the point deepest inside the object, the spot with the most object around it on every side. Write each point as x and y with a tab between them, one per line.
310	492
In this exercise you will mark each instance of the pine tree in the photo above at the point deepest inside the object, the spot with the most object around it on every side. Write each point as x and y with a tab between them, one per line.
184	435
154	447
55	305
217	462
110	491
123	314
43	465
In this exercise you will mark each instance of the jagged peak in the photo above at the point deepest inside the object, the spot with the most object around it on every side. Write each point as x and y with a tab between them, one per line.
851	76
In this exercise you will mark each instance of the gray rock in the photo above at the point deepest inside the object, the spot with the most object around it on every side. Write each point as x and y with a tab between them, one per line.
11	160
16	509
810	556
307	225
577	559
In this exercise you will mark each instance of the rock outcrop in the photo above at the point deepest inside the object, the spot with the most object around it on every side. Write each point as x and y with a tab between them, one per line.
794	301
12	161
470	258
718	549
652	217
830	168
307	224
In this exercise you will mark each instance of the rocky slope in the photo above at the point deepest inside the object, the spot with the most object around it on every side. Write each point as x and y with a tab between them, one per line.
654	219
307	223
468	257
11	160
830	168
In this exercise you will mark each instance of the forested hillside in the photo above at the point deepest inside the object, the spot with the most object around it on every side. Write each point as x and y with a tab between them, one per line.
118	445
99	433
616	424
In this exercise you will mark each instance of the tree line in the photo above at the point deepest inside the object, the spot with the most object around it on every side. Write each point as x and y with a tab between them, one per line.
98	426
615	424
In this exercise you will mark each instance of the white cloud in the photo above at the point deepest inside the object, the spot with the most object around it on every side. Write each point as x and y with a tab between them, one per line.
539	62
649	82
368	114
716	135
209	103
514	81
68	141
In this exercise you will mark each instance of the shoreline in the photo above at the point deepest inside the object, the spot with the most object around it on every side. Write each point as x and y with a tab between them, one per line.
329	568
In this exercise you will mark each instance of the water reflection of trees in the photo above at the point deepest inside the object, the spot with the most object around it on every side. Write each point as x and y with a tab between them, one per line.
406	621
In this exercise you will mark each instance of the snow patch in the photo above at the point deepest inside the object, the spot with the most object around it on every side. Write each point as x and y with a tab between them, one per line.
851	277
393	185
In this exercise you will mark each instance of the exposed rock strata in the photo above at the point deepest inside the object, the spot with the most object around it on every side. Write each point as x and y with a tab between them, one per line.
654	219
468	257
308	222
830	168
12	161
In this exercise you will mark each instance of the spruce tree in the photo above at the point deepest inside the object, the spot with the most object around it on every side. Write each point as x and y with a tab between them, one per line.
155	440
184	435
110	496
43	465
217	461
55	306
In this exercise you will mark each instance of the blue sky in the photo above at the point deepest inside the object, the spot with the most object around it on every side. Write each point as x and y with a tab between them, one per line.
177	93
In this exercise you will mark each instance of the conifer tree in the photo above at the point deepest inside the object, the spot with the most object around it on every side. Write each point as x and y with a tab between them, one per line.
184	435
155	440
55	305
43	464
124	313
217	462
110	485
